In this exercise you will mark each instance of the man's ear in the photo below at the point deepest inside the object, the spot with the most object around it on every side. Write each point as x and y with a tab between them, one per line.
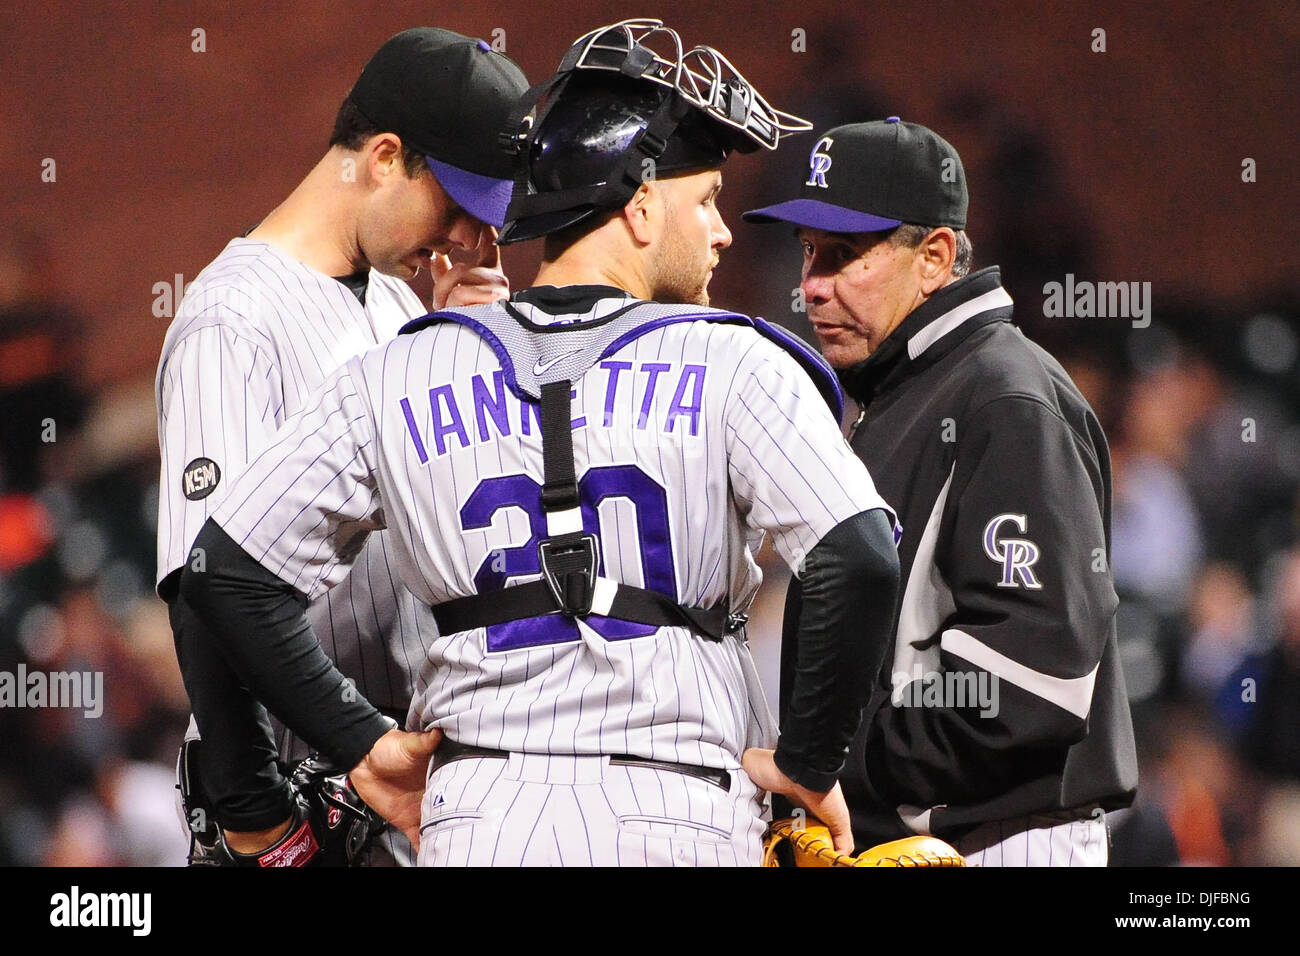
935	257
643	212
383	156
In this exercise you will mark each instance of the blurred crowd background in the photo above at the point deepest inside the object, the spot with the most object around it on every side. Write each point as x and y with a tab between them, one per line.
1105	169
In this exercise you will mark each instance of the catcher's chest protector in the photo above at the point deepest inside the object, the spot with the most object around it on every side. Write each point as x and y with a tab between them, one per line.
536	355
539	365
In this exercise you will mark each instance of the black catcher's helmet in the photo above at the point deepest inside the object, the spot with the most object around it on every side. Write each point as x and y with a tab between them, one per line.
617	113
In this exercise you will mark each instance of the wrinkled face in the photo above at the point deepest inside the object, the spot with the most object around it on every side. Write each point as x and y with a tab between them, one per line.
407	221
858	287
693	238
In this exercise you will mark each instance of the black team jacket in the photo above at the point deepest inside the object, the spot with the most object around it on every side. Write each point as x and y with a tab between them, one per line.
1000	475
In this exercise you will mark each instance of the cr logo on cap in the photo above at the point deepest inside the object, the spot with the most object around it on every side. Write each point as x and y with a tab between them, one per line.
819	162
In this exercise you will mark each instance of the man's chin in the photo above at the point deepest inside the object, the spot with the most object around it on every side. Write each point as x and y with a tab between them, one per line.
405	269
839	357
701	296
678	297
840	354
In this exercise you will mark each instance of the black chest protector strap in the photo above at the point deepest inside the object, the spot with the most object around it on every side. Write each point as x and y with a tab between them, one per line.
570	559
560	492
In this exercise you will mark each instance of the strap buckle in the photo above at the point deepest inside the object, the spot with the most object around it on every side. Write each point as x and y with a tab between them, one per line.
569	565
652	144
736	622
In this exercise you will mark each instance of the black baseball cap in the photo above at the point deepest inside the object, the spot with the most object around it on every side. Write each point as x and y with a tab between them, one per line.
448	96
868	177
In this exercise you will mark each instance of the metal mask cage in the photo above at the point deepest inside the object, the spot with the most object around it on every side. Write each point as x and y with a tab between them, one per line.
702	76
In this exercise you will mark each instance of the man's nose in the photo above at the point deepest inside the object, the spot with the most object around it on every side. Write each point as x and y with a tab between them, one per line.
721	234
466	232
816	286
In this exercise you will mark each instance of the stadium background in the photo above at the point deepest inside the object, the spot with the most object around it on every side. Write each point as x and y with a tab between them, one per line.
1123	165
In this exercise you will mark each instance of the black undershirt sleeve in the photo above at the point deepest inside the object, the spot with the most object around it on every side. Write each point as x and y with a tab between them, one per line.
238	757
848	604
260	623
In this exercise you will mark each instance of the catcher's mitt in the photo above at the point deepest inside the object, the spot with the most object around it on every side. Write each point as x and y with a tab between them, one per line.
331	824
807	842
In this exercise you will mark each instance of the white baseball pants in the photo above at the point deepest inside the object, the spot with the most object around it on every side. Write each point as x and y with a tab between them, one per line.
543	810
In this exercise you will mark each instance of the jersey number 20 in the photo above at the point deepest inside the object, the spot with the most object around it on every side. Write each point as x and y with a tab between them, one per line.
598	484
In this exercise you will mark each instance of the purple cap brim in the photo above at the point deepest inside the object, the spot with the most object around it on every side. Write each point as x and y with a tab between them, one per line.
814	214
482	197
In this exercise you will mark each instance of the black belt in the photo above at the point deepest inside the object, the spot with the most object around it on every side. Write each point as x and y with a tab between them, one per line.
450	750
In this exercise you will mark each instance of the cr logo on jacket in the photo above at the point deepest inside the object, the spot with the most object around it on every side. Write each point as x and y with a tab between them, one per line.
1016	555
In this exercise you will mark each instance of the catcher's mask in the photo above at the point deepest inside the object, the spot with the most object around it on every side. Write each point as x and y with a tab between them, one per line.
616	113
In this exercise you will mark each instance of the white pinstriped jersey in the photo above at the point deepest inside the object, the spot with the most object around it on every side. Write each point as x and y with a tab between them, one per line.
690	441
255	334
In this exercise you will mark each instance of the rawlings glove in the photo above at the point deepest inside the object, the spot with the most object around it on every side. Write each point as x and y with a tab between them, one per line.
330	824
807	842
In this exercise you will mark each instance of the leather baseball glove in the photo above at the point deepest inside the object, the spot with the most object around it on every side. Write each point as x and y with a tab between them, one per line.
807	842
330	826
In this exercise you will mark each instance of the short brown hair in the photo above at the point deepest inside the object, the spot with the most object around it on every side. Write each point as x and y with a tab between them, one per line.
352	129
